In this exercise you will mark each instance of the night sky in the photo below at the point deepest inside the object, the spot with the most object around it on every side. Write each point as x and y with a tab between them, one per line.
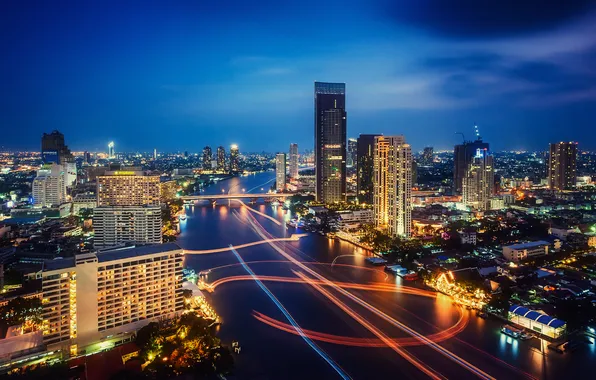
178	75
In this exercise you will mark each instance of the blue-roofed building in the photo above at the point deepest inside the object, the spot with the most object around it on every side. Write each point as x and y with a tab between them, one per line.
523	251
537	321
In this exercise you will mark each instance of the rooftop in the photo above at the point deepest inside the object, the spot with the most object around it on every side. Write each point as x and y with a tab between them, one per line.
537	316
531	244
134	251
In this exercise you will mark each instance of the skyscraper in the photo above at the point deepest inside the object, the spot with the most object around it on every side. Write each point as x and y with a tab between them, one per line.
330	142
221	159
462	157
427	155
280	171
54	149
155	154
49	186
562	166
111	150
352	152
207	158
364	167
393	185
234	159
294	160
127	188
478	185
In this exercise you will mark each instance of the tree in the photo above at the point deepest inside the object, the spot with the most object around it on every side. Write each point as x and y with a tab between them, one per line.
20	311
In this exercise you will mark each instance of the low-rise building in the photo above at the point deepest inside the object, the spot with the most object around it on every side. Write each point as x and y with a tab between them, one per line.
354	219
83	201
523	251
537	321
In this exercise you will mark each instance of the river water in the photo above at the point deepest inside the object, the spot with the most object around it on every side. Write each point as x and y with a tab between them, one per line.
270	353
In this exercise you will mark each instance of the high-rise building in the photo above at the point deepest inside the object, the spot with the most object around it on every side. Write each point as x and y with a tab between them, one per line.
393	185
280	171
478	185
294	160
49	186
221	159
127	188
364	167
562	166
352	152
154	153
462	157
111	150
414	172
54	150
94	299
234	159
330	142
207	158
427	155
114	225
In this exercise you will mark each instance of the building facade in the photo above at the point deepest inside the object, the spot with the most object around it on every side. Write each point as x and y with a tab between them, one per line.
427	155
127	188
49	186
562	166
462	157
294	160
365	146
114	225
95	297
352	155
221	159
523	251
280	171
478	185
54	150
392	185
207	158
234	159
330	142
111	150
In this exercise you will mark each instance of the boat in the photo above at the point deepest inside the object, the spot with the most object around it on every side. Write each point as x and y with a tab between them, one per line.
412	276
376	261
182	217
397	270
511	331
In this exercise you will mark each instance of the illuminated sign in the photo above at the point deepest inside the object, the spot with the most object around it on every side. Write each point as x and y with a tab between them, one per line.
124	173
332	146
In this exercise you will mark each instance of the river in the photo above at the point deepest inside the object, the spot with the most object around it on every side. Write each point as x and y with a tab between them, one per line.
271	353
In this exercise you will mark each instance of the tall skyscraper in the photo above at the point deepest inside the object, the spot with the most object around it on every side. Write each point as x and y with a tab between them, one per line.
49	186
207	158
352	152
364	167
427	155
280	171
393	185
155	154
107	296
478	185
221	159
234	159
111	150
562	166
54	150
294	160
462	157
330	142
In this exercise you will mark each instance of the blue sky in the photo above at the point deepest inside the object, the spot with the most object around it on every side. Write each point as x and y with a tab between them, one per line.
178	75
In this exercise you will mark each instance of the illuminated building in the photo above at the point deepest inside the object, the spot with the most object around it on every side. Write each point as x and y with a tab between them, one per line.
364	167
280	171
392	184
294	160
562	166
352	154
127	188
330	142
462	157
427	155
54	150
96	298
82	202
114	225
537	321
207	158
523	251
478	184
221	159
111	150
49	187
234	159
155	154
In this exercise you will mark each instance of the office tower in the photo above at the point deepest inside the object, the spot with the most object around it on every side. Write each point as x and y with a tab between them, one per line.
478	185
280	172
111	150
105	297
127	188
54	150
393	185
562	166
49	186
115	225
462	157
427	155
234	159
207	158
154	153
352	152
330	142
87	158
221	159
294	160
364	167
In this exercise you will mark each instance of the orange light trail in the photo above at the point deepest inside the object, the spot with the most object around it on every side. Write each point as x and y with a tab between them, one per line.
294	237
258	212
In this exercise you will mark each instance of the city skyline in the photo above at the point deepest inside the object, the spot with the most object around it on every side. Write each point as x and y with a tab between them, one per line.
524	77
